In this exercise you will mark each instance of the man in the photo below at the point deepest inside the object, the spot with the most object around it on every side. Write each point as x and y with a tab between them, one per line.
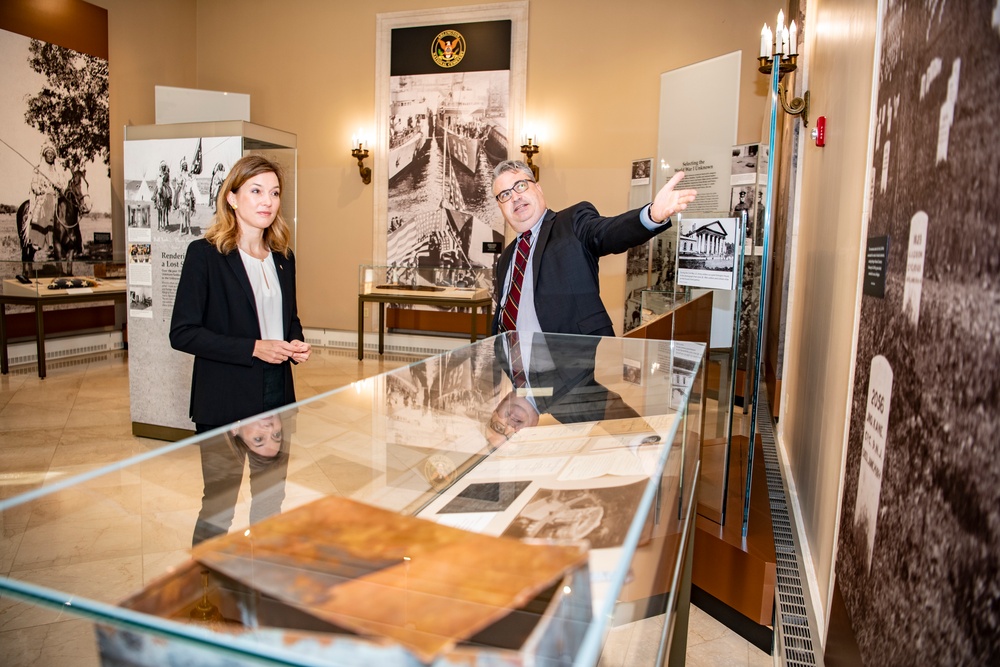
184	188
560	290
46	186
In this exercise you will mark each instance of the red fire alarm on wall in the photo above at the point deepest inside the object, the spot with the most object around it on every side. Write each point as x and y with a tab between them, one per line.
819	132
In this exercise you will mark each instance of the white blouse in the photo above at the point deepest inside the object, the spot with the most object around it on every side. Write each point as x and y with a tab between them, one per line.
267	295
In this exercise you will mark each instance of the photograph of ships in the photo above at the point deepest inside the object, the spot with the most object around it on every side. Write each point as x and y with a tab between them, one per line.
446	134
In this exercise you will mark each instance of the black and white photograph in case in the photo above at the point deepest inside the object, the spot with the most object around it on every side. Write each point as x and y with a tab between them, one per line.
706	253
918	555
745	159
55	181
641	170
749	312
600	515
140	301
485	497
742	200
171	184
636	280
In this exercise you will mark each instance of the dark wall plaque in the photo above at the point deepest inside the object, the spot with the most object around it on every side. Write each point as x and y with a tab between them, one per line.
876	261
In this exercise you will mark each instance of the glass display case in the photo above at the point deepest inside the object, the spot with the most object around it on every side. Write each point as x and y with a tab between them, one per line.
544	483
28	289
52	278
455	283
442	289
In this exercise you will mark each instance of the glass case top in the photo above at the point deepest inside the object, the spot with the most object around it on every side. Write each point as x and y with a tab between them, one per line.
62	277
429	281
571	444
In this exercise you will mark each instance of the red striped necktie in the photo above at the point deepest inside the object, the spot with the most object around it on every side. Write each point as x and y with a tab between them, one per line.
518	376
508	318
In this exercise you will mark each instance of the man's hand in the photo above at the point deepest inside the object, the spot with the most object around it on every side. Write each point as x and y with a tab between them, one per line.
669	201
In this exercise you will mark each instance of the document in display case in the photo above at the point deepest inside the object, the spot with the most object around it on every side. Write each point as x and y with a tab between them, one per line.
503	503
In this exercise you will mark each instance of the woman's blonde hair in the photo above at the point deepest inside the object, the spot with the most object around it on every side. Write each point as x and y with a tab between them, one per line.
224	233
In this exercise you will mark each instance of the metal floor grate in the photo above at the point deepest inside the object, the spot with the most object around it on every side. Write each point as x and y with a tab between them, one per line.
793	631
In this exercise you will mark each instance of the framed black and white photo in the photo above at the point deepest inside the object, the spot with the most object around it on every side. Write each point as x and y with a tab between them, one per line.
706	253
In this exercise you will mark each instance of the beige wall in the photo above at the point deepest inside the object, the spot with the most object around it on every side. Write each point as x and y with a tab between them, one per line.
149	43
593	81
825	269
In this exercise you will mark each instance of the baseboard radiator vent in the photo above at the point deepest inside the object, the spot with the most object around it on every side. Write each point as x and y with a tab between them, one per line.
793	629
59	349
27	365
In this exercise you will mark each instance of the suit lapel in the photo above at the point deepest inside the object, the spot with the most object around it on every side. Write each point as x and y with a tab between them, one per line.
543	237
285	282
235	262
503	266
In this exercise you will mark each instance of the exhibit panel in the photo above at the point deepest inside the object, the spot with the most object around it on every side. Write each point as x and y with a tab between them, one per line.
173	174
504	502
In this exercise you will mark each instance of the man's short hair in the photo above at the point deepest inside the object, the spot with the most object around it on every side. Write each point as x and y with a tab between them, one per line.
512	165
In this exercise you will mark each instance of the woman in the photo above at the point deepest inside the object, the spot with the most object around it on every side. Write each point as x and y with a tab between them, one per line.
235	308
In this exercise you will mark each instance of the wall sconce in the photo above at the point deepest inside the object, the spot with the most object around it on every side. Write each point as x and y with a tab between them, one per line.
529	149
780	47
361	154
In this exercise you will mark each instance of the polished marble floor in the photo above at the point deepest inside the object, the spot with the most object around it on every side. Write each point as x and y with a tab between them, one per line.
78	419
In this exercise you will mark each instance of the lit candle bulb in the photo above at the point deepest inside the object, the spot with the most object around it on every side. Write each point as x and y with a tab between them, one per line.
793	42
784	41
770	43
763	41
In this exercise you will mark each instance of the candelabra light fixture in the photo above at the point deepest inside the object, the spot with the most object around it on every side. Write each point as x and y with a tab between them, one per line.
361	154
529	148
780	48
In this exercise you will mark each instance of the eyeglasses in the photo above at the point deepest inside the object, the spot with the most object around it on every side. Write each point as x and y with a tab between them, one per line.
500	428
519	186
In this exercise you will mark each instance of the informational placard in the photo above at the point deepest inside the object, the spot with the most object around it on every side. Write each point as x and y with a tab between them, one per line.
706	253
915	255
876	261
873	452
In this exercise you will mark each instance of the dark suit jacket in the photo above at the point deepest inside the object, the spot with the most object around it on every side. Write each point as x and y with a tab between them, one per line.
565	266
215	319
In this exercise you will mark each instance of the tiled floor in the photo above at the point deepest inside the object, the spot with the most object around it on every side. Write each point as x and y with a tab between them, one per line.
78	419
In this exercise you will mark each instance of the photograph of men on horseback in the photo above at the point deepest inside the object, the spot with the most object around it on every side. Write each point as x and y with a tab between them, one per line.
56	108
178	180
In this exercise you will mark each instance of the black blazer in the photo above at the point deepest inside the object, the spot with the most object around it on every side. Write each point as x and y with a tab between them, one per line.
215	319
565	267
